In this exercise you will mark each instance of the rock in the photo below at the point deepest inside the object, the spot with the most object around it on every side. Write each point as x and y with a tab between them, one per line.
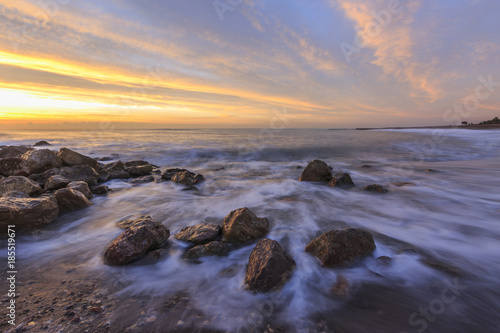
13	151
135	163
120	175
199	234
15	194
41	178
187	178
70	199
72	158
104	176
169	173
139	170
139	238
99	190
383	261
20	184
105	159
337	248
115	166
375	188
401	184
341	287
142	180
42	143
82	187
341	180
269	267
80	173
27	213
243	226
56	182
365	166
124	224
13	166
316	171
41	160
211	249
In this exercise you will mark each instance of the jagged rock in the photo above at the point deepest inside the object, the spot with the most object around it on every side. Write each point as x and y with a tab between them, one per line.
13	151
199	234
269	267
140	237
27	213
243	226
169	173
70	199
342	179
375	188
142	180
338	248
41	160
13	166
42	143
187	178
316	171
56	182
21	184
82	187
211	249
99	190
72	158
15	194
139	170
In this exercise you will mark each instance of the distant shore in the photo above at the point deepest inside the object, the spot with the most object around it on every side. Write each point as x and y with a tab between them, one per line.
472	127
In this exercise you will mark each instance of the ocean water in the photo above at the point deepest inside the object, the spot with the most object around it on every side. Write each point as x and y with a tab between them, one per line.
442	232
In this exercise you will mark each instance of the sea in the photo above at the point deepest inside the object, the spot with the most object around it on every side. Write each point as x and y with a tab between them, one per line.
441	230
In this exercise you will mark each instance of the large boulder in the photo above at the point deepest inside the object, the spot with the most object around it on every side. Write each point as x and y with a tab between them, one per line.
316	171
13	151
135	163
337	248
70	199
211	249
20	184
80	173
187	178
82	187
72	158
41	160
56	182
199	234
342	179
117	170
269	267
140	237
27	213
13	166
243	226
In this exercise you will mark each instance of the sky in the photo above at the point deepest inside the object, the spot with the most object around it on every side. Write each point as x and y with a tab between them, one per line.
248	63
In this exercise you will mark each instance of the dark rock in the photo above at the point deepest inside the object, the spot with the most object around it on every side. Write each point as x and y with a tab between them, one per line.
41	160
82	187
338	248
13	166
120	175
115	166
56	182
105	159
139	238
375	188
199	234
243	226
139	170
430	170
365	166
27	213
269	267
42	143
169	173
20	184
443	267
341	287
124	224
70	199
104	176
13	151
135	163
211	249
15	194
41	178
80	172
72	158
99	190
187	178
383	261
341	180
401	184
316	171
298	167
142	180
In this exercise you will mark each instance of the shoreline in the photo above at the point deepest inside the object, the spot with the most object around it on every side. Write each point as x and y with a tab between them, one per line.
471	127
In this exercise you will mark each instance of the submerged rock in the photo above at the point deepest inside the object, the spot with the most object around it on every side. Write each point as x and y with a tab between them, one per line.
341	180
199	234
82	187
70	199
140	237
338	248
243	226
27	213
56	182
316	171
41	160
20	184
211	249
13	166
269	267
341	287
187	178
375	188
72	158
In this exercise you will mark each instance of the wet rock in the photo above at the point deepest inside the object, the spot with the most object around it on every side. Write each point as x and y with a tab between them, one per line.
199	234
70	199
124	224
82	187
269	267
316	171
105	159
56	182
27	213
210	249
401	184
42	143
20	184
187	178
99	190
135	163
341	180
169	173
13	166
80	173
341	287
365	166
15	194
243	226
41	160
443	267
120	175
338	248
117	170
139	170
375	188
13	151
104	176
142	180
383	261
72	158
144	235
